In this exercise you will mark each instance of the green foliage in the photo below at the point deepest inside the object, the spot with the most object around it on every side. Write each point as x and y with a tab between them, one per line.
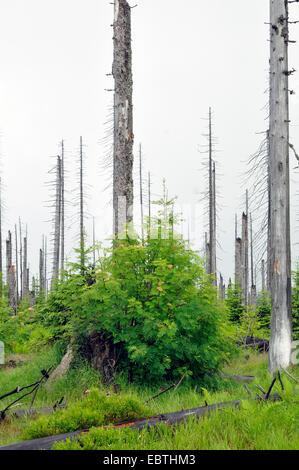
263	307
156	301
95	410
234	303
267	426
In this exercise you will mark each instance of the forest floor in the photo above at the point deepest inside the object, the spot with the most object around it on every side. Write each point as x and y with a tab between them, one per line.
255	426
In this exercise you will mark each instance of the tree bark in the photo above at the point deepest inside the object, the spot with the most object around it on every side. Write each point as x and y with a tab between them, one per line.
280	260
57	223
123	118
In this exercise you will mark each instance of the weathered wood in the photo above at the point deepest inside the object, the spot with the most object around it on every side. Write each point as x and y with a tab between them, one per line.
238	378
280	262
212	206
62	223
245	258
47	443
45	410
57	223
123	118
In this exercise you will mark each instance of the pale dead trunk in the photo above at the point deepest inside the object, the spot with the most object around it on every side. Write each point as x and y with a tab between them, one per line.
141	192
62	210
280	261
57	223
123	118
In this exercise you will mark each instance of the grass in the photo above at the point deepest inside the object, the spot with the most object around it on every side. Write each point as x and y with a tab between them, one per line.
253	427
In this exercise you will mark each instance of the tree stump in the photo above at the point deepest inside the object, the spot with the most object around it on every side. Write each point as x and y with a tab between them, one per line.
102	355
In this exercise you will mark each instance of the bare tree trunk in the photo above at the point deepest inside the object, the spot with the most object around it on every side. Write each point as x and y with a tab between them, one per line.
245	254
11	274
280	261
25	279
21	260
1	256
141	192
62	210
57	226
253	285
238	263
82	235
123	118
269	221
41	272
212	206
93	242
263	276
149	205
17	264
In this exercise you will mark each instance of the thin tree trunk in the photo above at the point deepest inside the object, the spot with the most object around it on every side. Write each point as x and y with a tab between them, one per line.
41	272
149	205
212	207
123	118
245	253
82	240
280	261
253	286
141	192
1	256
17	264
269	221
62	210
263	277
21	260
25	282
57	223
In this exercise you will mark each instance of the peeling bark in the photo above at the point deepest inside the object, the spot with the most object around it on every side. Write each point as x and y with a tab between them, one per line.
280	257
123	118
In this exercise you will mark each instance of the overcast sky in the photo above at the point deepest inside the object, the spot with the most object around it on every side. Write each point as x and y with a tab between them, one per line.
55	56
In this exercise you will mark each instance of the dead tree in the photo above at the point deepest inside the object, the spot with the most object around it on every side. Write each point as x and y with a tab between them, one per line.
62	235
10	274
25	269
1	257
280	260
21	260
141	192
17	265
41	272
57	223
123	118
149	205
253	284
212	205
82	234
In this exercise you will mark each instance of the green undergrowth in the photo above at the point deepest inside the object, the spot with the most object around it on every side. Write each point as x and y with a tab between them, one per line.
96	409
254	426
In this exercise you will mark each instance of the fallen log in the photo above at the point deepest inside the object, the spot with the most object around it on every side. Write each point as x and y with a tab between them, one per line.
45	410
46	443
252	342
238	378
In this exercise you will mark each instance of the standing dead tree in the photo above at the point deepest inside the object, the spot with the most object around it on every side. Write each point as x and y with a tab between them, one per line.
57	223
62	235
123	118
82	234
280	260
10	274
25	269
1	256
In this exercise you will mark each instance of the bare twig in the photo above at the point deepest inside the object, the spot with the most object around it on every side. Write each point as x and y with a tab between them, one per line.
291	377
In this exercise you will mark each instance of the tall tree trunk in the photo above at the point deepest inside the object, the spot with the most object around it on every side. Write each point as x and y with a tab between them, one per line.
1	256
62	210
263	277
57	223
82	235
21	260
41	272
141	192
245	253
280	261
17	264
253	285
25	280
269	221
149	205
123	118
238	263
212	205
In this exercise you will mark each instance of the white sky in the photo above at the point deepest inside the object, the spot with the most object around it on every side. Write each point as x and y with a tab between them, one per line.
54	57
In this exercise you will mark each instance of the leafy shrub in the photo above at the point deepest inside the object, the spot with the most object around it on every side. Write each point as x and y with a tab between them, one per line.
95	410
156	301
